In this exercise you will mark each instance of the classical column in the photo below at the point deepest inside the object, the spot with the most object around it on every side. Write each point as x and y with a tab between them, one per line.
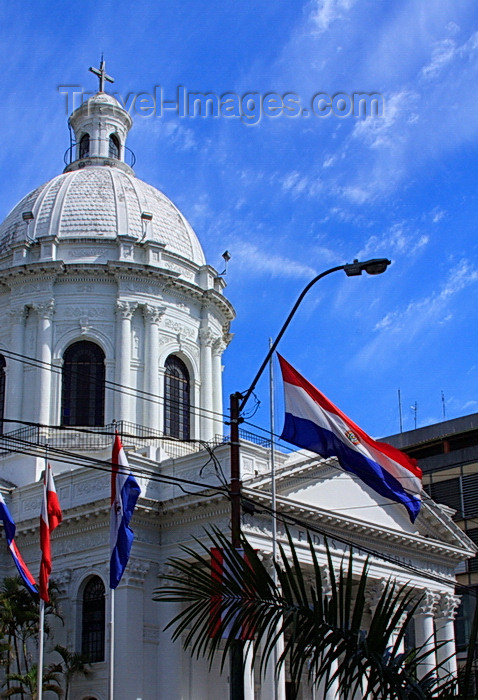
129	657
124	314
218	348
333	693
273	687
445	633
45	313
206	340
151	413
425	632
170	657
14	368
248	672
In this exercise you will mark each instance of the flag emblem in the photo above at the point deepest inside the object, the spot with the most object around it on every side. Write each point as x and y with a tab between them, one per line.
350	435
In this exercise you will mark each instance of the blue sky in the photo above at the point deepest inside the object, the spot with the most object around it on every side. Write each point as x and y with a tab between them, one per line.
291	195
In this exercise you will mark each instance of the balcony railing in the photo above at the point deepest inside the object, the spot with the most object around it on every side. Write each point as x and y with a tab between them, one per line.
94	438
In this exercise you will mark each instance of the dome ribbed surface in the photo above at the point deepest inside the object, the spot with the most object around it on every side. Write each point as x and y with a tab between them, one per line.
101	202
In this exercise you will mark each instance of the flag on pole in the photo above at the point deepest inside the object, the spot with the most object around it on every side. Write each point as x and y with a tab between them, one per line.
50	517
124	494
10	529
314	423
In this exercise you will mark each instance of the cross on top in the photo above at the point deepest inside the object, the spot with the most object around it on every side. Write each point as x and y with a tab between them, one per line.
101	73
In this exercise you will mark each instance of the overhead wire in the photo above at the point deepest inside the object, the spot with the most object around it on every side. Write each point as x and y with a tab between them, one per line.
64	456
284	517
110	385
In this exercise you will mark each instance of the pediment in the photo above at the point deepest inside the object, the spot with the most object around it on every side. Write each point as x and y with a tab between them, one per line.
323	485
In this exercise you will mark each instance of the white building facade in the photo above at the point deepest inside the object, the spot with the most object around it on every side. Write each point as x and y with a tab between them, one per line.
111	313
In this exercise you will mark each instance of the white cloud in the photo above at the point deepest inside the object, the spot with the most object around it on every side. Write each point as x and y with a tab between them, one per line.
328	11
402	327
442	54
437	215
434	307
250	259
399	239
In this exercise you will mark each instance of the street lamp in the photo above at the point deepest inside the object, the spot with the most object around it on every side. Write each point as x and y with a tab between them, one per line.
237	404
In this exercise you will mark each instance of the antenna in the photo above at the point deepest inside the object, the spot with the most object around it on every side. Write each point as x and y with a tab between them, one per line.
400	410
414	408
443	405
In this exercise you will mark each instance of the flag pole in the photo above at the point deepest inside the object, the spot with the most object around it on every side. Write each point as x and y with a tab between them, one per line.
40	650
273	501
111	683
112	645
41	624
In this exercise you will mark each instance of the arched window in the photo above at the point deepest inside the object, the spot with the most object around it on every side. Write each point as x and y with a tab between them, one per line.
83	394
176	398
93	620
2	392
85	146
114	147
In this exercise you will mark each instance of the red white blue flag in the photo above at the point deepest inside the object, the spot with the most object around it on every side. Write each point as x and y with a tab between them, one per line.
10	529
51	516
124	494
314	423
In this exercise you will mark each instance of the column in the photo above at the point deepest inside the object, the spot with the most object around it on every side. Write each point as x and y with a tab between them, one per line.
45	313
152	316
124	398
14	368
425	632
170	655
445	633
272	686
206	340
218	348
333	693
128	632
248	672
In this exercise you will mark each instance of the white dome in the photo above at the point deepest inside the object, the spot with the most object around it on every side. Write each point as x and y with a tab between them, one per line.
101	203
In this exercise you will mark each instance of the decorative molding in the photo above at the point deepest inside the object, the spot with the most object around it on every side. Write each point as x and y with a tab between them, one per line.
62	579
218	346
428	603
374	593
153	314
88	252
447	606
126	309
179	328
93	312
206	337
45	309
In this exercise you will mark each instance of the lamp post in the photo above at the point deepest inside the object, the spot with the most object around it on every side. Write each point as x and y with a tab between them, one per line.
238	402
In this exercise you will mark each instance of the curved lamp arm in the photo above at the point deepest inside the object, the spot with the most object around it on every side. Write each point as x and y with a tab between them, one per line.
374	267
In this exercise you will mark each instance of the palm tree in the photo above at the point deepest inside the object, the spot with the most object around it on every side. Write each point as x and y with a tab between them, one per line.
321	617
73	663
19	622
28	683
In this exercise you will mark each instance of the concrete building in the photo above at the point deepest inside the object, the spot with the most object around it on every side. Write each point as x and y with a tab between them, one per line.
447	452
112	313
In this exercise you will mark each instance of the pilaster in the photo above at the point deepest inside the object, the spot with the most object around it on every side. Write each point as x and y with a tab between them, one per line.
124	398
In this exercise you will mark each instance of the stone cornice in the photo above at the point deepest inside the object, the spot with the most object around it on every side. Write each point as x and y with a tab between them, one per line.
363	531
431	517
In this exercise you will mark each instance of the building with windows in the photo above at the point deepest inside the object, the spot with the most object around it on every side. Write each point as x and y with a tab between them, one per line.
114	319
447	452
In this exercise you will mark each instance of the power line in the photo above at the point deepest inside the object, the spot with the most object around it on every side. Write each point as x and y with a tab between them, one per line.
110	385
362	548
64	456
